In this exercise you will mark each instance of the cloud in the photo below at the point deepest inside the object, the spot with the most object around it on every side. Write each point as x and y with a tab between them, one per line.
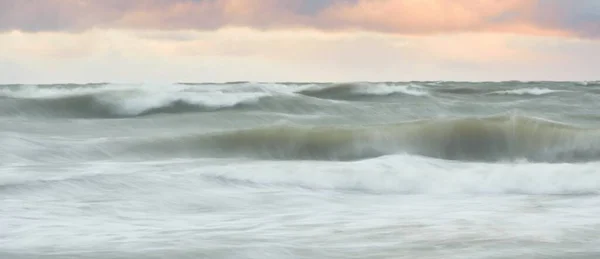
239	54
581	17
420	16
535	17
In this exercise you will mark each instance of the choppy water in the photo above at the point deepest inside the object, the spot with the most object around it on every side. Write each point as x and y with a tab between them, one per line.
290	170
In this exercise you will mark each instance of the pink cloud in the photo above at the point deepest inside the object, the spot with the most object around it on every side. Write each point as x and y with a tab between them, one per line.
392	16
440	16
421	16
216	14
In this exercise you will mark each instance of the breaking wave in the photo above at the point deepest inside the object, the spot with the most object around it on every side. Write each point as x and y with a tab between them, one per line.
113	106
357	90
491	139
460	90
399	174
114	102
528	91
407	174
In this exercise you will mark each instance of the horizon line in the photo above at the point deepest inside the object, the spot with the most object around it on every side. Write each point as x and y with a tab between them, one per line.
298	82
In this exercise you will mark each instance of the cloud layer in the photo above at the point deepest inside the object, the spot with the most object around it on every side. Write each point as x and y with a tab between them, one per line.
238	54
537	17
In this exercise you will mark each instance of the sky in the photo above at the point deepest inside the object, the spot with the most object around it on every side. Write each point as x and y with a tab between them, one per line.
152	41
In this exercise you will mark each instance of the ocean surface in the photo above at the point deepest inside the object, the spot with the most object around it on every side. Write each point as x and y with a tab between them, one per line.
300	170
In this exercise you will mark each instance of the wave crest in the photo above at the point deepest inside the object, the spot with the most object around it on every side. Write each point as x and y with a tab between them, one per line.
406	174
114	103
528	91
358	90
492	139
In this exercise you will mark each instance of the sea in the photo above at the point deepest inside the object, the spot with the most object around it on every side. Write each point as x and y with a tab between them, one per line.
300	170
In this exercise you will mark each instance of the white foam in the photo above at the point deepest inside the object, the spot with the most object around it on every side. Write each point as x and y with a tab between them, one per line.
211	96
36	92
384	89
528	91
143	101
413	174
588	83
136	99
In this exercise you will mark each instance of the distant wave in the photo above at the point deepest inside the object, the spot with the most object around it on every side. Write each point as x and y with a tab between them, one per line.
112	102
589	83
460	90
380	89
115	101
528	91
357	90
492	139
107	106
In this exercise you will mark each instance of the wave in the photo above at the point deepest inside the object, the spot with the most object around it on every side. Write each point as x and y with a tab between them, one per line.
107	106
589	83
358	90
528	91
460	90
492	139
406	174
116	102
397	174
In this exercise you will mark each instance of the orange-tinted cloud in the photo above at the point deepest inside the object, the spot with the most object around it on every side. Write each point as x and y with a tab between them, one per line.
422	16
238	54
539	17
